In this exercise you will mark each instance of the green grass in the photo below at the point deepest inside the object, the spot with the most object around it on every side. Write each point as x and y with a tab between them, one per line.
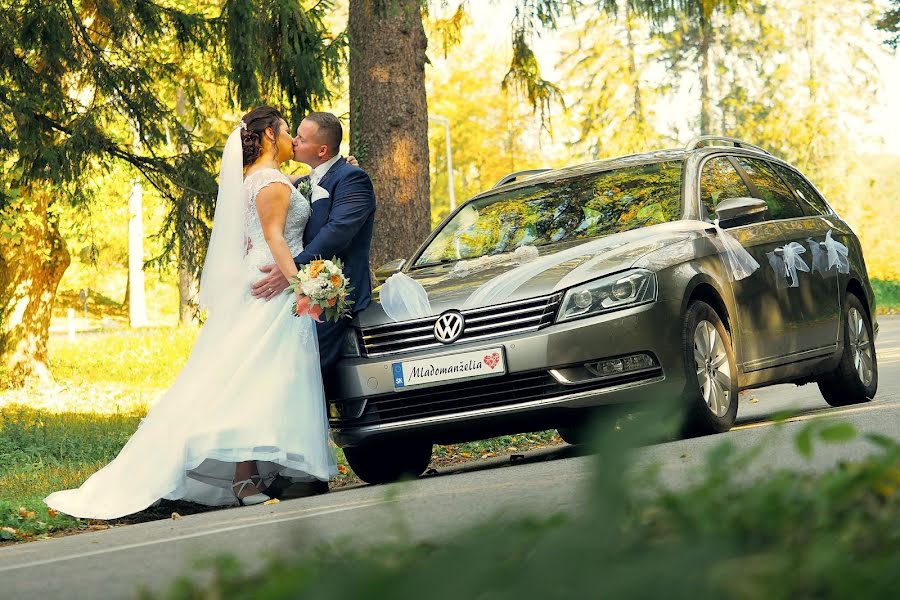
42	451
137	359
887	295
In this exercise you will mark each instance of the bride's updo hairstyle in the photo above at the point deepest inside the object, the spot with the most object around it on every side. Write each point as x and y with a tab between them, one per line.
253	130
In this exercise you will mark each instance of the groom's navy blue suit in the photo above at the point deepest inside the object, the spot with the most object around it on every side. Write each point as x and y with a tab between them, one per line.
341	225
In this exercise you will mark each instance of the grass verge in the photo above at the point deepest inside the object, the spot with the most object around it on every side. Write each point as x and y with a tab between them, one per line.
887	296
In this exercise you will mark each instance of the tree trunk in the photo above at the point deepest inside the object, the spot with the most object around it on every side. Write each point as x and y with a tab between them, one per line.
632	64
705	110
187	287
32	262
389	120
186	281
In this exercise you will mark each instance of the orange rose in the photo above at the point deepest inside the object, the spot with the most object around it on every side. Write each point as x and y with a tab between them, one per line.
315	268
332	301
336	280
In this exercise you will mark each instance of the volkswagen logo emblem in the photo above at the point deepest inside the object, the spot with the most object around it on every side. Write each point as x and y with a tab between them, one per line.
449	327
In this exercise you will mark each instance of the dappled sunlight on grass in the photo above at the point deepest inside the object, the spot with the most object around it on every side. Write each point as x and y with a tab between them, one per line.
142	359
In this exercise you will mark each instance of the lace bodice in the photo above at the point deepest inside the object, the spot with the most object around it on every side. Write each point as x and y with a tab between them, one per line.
299	210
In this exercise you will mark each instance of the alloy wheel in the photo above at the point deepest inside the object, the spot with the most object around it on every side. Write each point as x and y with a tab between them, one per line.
713	370
860	345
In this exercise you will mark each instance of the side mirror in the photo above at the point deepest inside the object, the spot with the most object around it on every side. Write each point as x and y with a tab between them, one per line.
388	269
741	211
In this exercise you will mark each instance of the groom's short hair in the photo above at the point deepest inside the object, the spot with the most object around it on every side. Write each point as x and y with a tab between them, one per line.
330	131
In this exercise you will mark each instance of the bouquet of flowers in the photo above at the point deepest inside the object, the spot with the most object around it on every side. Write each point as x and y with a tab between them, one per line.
323	288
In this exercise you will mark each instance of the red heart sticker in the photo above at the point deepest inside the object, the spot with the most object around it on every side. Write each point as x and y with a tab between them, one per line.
492	360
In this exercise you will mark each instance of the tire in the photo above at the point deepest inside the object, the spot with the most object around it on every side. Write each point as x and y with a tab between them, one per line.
388	462
574	435
855	380
711	391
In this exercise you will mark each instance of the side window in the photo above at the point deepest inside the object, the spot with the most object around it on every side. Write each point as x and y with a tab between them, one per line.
811	201
782	203
720	181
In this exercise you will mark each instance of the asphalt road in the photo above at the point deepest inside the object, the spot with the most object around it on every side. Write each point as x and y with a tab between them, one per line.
113	563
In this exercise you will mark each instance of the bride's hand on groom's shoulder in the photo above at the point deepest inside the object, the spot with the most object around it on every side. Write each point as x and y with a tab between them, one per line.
271	285
352	160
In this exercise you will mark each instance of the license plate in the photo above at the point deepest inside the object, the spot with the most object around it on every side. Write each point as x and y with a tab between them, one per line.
464	365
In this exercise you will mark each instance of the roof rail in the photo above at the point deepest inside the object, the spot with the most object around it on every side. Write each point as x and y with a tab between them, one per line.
518	175
703	139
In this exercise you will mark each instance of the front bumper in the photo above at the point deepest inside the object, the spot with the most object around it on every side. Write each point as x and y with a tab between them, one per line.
546	383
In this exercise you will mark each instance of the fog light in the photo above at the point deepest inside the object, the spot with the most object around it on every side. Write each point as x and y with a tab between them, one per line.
618	366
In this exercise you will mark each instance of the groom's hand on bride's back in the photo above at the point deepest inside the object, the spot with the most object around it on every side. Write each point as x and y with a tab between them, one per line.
271	285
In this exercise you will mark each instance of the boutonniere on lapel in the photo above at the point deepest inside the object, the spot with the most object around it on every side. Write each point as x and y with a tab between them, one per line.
304	185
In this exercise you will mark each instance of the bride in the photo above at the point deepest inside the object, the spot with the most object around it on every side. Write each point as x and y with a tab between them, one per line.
249	403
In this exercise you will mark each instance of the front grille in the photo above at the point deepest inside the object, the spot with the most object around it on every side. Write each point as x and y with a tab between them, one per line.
483	393
481	323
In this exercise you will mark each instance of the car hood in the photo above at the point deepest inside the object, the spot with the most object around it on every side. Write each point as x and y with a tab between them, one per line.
450	285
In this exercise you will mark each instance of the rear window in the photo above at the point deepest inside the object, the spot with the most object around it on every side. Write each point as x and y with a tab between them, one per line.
781	201
586	206
812	203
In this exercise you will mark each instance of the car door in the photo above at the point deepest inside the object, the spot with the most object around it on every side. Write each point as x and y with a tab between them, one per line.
760	303
823	315
812	306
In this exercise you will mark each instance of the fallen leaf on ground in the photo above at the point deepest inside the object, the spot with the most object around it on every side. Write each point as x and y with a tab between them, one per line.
466	454
25	513
271	501
98	527
175	515
7	533
343	469
52	512
488	455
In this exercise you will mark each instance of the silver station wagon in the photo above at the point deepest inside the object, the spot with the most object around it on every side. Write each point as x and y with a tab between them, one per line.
686	274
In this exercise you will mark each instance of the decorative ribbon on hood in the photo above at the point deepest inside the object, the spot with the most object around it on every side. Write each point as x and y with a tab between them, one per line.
521	255
404	297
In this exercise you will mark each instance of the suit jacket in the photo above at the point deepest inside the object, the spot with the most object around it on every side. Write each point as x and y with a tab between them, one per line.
341	225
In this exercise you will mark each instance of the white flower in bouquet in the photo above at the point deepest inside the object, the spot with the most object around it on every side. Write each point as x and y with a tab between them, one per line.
323	288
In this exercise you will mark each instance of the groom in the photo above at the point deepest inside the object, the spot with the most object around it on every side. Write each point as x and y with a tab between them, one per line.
340	225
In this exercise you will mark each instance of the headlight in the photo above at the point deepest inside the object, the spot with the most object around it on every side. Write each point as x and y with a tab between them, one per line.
350	347
631	288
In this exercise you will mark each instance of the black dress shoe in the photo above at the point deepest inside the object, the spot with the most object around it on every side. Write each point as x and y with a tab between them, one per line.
303	489
284	489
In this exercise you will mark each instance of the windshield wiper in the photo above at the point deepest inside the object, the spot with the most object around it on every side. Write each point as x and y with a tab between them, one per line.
443	261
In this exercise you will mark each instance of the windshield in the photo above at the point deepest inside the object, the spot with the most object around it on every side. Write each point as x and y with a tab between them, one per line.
580	207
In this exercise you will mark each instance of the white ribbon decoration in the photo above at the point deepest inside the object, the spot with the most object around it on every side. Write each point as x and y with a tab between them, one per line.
838	254
403	298
741	262
793	262
521	255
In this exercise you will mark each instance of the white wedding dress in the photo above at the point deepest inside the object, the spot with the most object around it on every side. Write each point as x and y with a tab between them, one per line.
251	390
